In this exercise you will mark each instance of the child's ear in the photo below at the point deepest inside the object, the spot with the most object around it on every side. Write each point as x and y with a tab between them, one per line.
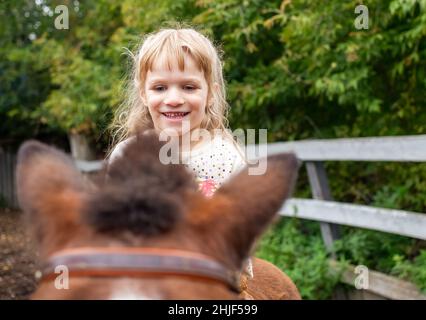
243	207
50	192
143	97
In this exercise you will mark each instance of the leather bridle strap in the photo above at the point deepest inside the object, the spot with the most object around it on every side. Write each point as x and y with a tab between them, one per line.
139	262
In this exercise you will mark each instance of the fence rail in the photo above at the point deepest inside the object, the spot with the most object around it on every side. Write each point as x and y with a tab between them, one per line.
381	285
89	166
406	223
399	149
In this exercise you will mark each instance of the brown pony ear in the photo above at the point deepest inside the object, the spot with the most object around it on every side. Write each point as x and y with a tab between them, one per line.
50	190
244	206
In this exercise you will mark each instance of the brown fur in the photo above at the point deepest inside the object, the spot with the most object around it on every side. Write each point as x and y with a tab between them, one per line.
269	283
141	202
140	194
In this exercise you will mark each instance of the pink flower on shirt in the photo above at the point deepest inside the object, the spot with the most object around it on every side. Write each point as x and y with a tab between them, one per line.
207	187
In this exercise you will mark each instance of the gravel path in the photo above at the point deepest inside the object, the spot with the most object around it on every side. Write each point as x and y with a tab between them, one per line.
17	258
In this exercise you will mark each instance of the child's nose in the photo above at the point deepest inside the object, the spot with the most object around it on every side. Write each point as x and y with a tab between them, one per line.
174	97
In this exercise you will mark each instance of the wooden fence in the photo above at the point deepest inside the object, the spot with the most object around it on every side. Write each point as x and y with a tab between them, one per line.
322	208
331	214
7	178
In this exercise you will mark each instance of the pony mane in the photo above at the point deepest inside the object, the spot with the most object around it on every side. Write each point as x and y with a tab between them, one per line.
138	193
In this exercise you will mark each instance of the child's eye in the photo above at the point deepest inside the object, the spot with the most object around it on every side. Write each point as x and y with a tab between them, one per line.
189	87
159	88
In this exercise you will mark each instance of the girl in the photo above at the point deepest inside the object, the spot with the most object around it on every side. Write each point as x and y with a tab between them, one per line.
177	84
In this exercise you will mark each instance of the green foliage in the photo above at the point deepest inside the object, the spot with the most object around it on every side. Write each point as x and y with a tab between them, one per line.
359	246
298	68
388	185
296	247
22	87
81	91
414	271
302	66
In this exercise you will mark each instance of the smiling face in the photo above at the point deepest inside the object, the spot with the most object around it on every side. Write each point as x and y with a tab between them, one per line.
175	97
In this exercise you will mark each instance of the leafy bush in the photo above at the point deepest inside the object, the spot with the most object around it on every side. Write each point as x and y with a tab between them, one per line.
376	250
414	270
296	247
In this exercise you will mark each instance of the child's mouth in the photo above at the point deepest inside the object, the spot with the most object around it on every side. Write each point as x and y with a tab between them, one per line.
175	115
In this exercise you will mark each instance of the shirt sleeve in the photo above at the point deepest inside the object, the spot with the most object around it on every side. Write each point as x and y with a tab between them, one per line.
240	162
118	151
238	156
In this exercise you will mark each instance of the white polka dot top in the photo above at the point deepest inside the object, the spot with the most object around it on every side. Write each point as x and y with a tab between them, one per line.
216	160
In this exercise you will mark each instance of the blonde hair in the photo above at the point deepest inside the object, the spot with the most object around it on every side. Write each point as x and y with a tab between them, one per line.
133	116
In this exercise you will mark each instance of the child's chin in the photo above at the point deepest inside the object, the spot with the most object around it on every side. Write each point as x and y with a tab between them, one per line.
174	130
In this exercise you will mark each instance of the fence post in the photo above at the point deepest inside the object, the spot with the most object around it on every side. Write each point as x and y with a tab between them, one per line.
2	175
329	231
321	191
7	177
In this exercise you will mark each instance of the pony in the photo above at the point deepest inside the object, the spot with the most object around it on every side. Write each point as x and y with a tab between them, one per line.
143	230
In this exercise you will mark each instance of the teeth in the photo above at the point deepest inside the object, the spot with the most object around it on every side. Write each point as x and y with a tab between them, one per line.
175	114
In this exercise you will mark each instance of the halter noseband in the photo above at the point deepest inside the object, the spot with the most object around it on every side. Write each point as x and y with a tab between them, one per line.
139	262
